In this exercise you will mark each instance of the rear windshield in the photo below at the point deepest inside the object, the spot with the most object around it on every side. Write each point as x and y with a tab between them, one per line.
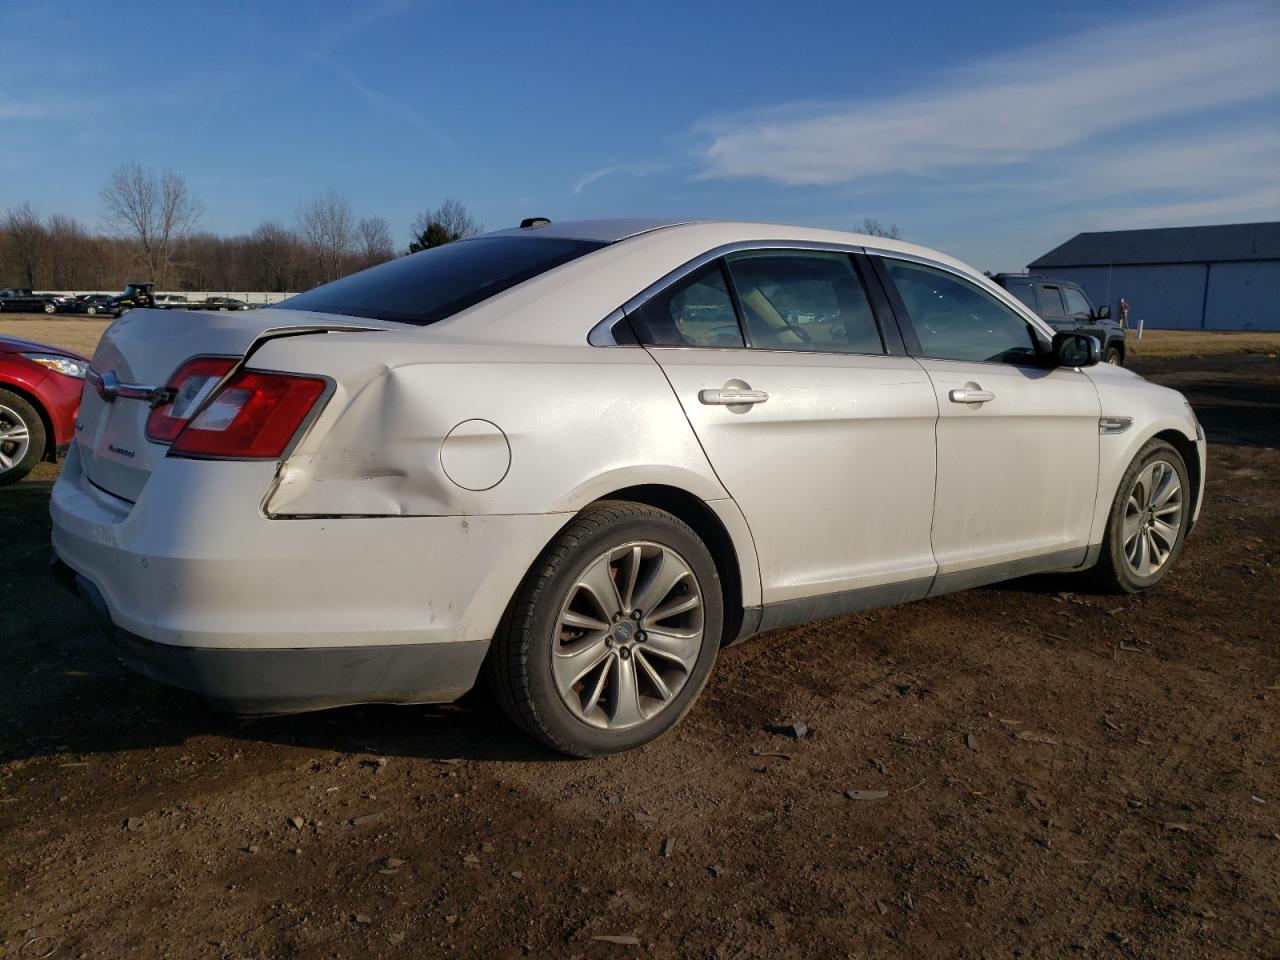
426	287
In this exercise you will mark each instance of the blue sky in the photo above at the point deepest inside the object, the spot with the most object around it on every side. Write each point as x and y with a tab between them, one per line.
993	133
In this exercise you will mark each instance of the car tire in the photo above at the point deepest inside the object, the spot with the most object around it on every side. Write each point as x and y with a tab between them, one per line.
50	308
21	422
1138	548
1113	357
91	311
640	673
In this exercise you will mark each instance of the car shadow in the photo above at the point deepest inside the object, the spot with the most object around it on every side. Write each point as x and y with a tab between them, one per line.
63	692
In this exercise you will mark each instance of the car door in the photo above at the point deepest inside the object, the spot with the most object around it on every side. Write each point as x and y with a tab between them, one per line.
1017	440
823	437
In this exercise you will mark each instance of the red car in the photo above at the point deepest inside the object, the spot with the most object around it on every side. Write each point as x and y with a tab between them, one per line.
39	399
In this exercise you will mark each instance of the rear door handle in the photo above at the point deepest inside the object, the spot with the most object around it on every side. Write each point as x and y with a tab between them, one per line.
969	395
731	396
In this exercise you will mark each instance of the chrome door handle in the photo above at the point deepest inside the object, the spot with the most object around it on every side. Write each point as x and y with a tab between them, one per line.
971	396
731	396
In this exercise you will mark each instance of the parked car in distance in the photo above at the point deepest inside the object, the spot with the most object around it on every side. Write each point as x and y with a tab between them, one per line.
93	304
23	300
135	295
583	457
222	303
40	389
1066	307
174	301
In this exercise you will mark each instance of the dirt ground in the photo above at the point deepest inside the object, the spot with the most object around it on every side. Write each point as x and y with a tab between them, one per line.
1066	774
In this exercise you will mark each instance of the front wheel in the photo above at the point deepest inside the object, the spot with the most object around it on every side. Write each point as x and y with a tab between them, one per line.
1112	356
49	308
1148	520
613	633
22	438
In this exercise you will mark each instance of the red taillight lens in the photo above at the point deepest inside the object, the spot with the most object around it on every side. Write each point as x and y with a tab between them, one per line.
253	417
190	385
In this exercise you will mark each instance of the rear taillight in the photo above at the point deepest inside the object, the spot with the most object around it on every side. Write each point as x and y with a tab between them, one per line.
253	416
188	387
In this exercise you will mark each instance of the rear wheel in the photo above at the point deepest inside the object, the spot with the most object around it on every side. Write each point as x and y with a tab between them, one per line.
1148	520
22	438
613	633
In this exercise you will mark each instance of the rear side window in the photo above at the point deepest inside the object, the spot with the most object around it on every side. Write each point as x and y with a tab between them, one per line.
1051	303
427	287
1026	294
694	312
803	300
955	320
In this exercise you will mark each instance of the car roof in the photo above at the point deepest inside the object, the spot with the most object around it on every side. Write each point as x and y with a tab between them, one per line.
554	307
600	231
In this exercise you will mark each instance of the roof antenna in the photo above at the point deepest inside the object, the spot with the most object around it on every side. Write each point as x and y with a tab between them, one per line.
529	223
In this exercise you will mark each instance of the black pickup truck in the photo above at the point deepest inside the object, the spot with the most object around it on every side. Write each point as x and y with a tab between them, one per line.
1066	307
22	300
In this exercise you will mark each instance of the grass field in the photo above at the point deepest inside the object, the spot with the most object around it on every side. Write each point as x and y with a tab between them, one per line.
82	336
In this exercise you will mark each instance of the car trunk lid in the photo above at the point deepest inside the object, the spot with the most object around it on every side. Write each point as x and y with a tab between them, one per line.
143	350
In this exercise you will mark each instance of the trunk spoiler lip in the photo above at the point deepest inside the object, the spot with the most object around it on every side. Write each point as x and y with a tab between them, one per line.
109	387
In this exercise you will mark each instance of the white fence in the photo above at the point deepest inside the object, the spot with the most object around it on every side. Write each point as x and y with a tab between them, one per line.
195	296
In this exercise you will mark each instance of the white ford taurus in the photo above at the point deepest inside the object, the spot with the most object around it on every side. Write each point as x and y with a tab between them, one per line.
583	457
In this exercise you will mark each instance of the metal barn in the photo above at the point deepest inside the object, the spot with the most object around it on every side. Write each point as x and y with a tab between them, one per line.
1223	277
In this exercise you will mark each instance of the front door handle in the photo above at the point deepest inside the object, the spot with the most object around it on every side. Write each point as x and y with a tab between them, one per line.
732	396
970	394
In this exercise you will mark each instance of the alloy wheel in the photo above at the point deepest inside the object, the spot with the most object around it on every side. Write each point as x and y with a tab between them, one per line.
1152	518
628	636
15	439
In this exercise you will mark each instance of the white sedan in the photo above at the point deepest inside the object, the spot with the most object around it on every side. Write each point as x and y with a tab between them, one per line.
583	457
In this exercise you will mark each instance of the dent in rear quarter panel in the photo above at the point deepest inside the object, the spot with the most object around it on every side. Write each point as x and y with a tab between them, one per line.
580	422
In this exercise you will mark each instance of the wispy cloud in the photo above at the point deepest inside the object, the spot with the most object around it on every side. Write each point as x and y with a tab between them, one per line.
628	169
1257	204
43	110
1015	107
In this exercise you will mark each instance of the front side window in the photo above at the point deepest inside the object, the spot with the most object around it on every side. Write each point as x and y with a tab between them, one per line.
427	287
695	311
803	300
1051	303
1077	304
955	320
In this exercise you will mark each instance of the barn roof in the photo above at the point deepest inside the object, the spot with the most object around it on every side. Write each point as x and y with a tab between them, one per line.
1228	241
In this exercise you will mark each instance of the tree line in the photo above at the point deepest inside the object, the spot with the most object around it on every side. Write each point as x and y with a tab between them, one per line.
151	232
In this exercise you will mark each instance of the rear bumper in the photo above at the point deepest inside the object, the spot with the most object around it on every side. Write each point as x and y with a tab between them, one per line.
270	681
198	589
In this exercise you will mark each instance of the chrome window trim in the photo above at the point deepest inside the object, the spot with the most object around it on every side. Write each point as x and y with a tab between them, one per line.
601	335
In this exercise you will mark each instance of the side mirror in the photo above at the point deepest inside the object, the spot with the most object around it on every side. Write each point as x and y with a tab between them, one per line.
1104	312
1076	350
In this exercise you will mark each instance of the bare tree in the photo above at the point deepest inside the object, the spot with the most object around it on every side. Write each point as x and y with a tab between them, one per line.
448	222
273	256
373	241
75	257
326	226
873	228
28	241
155	211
